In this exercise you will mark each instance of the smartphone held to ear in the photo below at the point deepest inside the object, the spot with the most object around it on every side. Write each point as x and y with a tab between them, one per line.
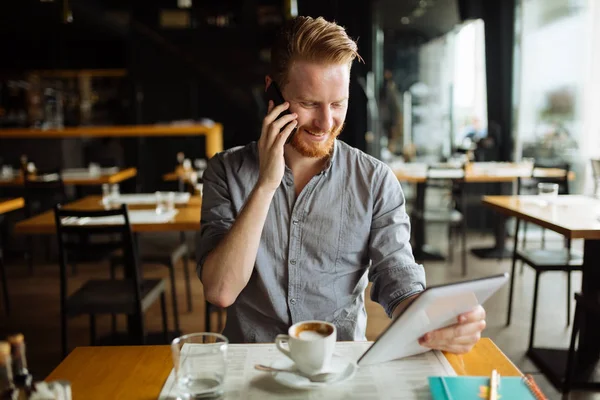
274	93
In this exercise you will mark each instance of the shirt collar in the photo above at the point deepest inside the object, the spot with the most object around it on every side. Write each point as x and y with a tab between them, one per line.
329	163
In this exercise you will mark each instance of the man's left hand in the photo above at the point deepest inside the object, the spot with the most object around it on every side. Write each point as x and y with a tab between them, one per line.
460	337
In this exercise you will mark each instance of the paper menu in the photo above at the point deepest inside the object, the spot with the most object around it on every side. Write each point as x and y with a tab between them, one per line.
404	379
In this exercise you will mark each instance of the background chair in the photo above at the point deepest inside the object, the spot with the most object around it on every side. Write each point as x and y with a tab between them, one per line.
131	296
450	181
168	256
41	192
543	260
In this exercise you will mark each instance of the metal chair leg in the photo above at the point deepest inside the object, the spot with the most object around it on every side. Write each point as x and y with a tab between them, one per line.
113	317
165	321
174	296
534	311
512	273
568	298
524	245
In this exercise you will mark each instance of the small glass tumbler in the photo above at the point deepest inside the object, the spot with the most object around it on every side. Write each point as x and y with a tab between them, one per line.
94	169
548	191
200	363
165	202
106	195
529	163
115	191
7	171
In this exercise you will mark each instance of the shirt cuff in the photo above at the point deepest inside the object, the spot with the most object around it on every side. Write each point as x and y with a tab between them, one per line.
414	289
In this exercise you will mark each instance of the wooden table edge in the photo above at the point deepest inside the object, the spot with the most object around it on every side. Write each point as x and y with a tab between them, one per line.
489	200
11	204
157	361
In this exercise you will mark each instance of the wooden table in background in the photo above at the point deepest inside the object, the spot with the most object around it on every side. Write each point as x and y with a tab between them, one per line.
575	217
116	177
475	173
213	133
187	219
139	372
8	205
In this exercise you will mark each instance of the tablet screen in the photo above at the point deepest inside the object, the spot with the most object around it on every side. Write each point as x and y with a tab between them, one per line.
436	307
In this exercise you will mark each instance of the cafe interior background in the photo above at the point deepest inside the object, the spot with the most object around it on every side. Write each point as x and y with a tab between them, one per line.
444	81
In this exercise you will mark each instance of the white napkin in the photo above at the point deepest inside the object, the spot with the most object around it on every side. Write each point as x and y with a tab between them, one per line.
53	390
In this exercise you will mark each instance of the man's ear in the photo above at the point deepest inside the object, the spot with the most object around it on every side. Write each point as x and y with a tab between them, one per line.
268	81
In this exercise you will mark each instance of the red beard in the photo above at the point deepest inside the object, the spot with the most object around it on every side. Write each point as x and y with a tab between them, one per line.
315	149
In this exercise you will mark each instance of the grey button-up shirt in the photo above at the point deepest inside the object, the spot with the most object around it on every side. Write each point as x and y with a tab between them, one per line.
318	250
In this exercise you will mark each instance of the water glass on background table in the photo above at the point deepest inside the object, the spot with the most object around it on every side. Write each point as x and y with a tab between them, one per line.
7	171
200	363
548	192
115	191
94	169
165	202
106	195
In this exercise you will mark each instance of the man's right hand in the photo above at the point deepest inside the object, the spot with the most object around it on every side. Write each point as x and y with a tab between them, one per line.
270	145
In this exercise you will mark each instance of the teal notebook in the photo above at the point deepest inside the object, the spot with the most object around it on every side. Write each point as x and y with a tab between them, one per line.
477	388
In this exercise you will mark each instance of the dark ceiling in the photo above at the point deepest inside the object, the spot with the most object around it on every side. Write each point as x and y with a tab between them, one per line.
426	18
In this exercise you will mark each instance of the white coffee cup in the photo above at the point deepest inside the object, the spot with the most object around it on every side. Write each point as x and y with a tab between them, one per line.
310	344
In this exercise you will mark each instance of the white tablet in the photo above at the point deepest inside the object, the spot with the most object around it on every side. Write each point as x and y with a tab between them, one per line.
436	307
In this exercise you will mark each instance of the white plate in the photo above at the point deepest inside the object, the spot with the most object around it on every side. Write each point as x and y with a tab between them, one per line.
343	366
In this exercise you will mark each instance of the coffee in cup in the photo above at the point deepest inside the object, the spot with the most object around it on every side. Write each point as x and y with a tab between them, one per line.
310	344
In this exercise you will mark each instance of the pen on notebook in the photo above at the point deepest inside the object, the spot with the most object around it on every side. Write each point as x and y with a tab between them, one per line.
494	386
534	388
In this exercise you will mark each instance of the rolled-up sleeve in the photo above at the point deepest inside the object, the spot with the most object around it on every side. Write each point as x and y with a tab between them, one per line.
394	273
217	210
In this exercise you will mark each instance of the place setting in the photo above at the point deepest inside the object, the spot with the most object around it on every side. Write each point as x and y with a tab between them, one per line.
305	358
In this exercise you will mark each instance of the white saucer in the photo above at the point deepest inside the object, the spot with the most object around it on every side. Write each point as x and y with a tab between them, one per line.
341	365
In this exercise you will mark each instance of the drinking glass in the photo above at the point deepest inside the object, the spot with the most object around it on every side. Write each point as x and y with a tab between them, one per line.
529	163
7	171
165	202
200	363
548	191
94	169
106	195
115	192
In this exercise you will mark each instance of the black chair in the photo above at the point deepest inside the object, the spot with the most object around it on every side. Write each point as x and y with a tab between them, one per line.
543	260
169	257
452	213
131	296
41	192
